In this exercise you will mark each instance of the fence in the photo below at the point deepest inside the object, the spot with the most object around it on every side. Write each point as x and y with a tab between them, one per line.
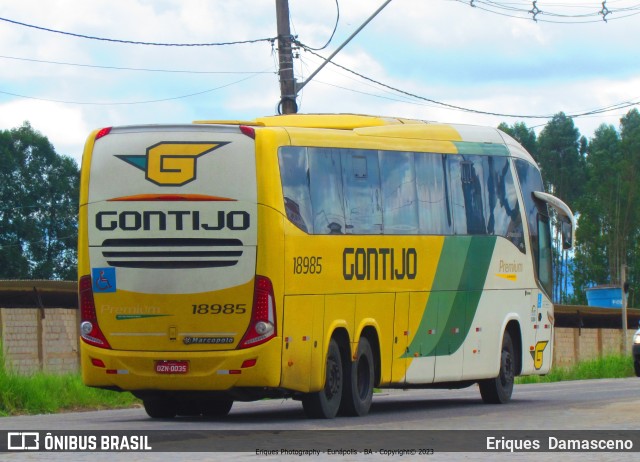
46	339
40	339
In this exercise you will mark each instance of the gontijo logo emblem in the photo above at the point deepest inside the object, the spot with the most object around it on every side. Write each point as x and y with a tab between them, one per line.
171	163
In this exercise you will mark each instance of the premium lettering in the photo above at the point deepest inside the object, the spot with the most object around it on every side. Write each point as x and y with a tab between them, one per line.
508	267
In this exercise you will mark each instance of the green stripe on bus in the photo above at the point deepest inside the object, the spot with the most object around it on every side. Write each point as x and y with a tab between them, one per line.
481	149
453	302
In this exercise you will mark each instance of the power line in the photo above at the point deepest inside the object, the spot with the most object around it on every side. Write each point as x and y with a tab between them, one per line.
335	27
530	10
617	106
174	71
125	103
134	42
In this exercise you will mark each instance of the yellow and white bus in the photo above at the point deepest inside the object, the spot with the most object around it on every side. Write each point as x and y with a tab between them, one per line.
313	257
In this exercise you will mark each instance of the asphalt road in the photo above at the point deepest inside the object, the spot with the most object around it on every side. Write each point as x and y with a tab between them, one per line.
602	405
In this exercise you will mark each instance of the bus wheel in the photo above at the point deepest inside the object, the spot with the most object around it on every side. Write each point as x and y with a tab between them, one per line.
187	408
217	407
160	408
498	390
325	403
358	384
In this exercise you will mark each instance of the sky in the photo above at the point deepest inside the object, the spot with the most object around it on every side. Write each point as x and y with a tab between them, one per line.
483	55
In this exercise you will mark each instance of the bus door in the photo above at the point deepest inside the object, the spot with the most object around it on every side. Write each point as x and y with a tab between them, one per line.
543	263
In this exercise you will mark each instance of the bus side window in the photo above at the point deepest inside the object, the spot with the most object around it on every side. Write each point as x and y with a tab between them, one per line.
361	177
326	190
399	196
294	173
503	206
467	204
432	193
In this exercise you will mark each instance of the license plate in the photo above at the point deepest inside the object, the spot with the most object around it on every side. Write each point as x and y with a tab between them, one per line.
172	367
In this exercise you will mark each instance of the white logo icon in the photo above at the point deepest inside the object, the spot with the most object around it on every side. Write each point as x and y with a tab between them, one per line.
23	441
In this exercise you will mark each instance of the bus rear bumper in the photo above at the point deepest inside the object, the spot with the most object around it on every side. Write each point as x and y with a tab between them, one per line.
206	370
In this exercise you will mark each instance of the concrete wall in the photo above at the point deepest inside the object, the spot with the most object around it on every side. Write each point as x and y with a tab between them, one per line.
36	339
573	345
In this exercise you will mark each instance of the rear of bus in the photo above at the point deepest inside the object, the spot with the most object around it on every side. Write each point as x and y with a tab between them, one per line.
171	306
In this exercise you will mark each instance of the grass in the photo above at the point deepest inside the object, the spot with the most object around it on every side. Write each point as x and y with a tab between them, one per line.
602	368
43	393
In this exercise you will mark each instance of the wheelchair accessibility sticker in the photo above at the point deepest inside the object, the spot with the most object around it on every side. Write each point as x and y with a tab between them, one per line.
104	279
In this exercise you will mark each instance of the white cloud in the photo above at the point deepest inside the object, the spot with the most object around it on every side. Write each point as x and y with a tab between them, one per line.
64	126
443	50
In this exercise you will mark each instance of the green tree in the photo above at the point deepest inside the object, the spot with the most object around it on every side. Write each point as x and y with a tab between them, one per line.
629	209
561	156
38	211
598	221
609	219
523	135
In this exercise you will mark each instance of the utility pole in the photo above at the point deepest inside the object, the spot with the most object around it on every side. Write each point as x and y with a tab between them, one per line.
289	88
623	280
288	92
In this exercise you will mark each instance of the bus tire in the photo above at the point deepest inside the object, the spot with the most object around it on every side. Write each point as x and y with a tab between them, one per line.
359	380
160	408
324	404
499	389
217	407
187	408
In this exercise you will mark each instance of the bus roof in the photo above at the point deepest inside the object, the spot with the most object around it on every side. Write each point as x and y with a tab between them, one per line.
388	127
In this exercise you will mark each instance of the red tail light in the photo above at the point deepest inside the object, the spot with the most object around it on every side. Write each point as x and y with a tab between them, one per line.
103	132
249	131
263	315
89	329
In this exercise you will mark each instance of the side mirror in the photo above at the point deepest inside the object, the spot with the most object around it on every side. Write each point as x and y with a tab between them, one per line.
567	221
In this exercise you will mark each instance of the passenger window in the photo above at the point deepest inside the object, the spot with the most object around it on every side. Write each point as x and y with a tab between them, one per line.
503	206
326	190
361	177
399	197
433	194
294	172
467	204
484	198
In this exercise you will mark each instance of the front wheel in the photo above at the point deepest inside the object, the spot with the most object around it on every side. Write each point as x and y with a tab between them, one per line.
499	390
358	386
325	403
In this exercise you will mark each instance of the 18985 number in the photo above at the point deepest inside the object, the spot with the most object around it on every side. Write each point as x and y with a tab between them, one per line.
228	308
307	265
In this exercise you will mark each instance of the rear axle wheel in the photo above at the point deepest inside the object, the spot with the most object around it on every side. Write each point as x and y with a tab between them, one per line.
325	403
